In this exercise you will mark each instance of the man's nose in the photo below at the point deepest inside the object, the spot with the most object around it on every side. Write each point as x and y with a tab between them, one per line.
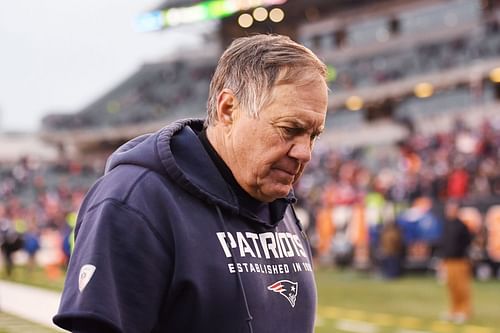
301	149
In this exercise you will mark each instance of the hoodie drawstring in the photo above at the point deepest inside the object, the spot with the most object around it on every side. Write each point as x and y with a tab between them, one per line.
238	274
303	233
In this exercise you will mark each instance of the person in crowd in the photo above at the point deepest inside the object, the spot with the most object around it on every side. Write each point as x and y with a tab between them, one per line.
10	240
31	244
391	250
192	228
455	264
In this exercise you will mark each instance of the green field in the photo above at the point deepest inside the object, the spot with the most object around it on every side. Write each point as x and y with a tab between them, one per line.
356	302
12	324
36	278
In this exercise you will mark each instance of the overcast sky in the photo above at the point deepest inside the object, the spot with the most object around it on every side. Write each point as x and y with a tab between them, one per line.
60	55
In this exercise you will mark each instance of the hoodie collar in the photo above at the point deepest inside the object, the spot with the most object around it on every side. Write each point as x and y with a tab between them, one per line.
187	163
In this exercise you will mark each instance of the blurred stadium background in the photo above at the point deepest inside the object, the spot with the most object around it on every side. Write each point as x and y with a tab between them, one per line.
413	120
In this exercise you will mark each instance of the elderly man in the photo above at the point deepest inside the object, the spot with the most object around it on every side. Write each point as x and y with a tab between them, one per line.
192	228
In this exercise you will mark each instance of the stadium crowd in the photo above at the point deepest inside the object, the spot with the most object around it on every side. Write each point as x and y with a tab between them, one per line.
461	164
352	196
38	205
356	194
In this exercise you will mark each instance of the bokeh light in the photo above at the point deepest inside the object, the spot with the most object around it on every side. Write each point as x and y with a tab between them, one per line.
245	20
276	15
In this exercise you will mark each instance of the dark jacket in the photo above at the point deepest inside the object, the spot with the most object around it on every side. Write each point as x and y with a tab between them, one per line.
455	240
163	246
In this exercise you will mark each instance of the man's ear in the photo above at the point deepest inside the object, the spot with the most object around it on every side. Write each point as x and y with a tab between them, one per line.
226	106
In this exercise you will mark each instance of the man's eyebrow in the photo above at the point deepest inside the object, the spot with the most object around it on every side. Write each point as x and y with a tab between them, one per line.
291	122
304	126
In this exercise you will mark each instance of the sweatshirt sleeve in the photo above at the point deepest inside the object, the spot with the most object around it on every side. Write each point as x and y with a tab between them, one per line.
118	274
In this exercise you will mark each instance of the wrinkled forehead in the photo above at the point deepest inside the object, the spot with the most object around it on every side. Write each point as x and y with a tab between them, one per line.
299	81
304	105
299	76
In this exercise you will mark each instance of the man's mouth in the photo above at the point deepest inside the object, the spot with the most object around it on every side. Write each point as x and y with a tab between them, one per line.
289	172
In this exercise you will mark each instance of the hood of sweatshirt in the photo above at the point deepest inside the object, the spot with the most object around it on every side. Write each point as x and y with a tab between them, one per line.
176	152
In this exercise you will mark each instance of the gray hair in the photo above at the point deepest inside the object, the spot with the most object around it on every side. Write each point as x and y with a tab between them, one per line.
252	66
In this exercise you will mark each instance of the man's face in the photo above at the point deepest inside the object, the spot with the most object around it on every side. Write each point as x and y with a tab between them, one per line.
268	154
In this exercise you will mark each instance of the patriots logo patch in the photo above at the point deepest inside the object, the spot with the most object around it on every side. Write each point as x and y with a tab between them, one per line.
287	289
86	273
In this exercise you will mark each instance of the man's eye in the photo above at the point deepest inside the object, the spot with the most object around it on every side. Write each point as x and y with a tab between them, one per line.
291	131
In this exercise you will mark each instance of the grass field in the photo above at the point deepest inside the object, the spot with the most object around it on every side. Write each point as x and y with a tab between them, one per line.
356	302
36	278
13	324
353	302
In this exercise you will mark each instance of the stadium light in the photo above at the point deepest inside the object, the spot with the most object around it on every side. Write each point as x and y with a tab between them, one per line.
495	75
260	14
203	11
276	15
245	20
423	90
354	103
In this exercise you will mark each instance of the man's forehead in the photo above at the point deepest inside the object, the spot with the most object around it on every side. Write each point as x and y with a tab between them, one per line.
305	106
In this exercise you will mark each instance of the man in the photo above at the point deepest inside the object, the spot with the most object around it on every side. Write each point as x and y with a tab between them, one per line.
456	266
192	228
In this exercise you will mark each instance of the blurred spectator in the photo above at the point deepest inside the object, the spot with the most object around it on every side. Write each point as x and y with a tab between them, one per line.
456	267
458	183
325	227
421	231
493	238
31	241
10	239
391	250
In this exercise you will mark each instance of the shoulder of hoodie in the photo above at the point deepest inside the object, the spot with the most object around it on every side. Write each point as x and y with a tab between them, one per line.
134	189
121	188
125	183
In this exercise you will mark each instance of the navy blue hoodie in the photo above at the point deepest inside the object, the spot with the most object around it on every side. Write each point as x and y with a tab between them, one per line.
162	245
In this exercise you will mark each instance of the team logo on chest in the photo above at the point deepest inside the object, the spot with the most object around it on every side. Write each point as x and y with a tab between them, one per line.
287	289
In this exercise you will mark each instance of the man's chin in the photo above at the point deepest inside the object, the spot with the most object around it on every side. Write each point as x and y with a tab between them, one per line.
277	192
